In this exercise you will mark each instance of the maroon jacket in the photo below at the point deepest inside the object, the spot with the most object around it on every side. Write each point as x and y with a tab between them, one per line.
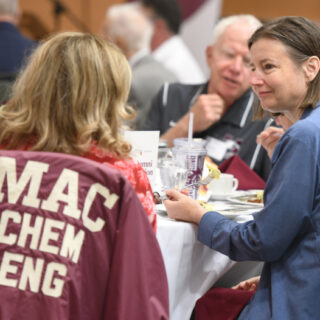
75	243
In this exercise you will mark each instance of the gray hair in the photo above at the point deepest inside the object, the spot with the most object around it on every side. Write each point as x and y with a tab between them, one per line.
9	7
224	23
128	21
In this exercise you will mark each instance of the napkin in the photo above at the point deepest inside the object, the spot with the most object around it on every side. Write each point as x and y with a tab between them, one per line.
248	179
221	304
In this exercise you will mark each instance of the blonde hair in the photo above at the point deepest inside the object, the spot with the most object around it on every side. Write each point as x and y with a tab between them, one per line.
73	92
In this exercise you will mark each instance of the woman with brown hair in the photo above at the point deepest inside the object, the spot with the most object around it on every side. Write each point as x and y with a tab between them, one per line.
71	98
285	234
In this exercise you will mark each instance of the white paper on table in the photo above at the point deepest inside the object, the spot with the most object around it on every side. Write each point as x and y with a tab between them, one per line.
145	150
217	149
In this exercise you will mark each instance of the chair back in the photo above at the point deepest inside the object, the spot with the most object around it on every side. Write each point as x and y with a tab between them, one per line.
75	242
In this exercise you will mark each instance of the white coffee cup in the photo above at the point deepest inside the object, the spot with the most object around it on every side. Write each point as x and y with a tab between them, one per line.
226	184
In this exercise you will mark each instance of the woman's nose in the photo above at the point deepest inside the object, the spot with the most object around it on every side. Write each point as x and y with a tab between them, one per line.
255	79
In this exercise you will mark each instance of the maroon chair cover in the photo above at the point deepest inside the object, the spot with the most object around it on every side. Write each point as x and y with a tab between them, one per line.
248	179
221	304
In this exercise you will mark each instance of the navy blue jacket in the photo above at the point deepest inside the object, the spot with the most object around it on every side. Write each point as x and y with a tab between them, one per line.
14	48
285	234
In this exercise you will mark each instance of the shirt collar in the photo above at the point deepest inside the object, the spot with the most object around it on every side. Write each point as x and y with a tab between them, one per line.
307	111
165	50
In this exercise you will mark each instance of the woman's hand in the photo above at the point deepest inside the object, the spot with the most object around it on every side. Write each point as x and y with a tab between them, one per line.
181	207
269	138
248	285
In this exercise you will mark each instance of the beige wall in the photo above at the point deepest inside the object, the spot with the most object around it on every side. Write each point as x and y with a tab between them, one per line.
273	8
90	12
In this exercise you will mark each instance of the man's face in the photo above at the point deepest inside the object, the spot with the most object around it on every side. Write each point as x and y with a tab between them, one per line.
228	60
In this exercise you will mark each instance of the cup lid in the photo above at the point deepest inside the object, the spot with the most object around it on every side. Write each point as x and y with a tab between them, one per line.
178	142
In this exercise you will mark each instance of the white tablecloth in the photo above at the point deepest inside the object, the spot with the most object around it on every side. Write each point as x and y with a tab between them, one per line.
192	268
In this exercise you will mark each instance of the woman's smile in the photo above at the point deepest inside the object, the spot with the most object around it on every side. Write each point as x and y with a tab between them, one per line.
263	93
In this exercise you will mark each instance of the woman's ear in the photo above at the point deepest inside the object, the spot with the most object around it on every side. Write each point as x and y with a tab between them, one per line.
311	68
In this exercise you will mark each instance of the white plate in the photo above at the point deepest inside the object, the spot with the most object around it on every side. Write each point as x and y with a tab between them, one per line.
235	213
241	199
226	196
228	210
223	196
232	210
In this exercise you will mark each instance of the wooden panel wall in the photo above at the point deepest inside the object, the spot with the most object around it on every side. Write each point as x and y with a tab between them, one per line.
273	8
89	12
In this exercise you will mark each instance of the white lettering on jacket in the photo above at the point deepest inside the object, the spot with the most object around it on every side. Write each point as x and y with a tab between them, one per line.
53	236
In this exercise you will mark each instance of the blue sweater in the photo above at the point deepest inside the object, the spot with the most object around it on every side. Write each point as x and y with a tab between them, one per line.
285	234
14	48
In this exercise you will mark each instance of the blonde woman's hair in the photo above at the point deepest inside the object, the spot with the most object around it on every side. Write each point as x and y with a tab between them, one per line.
72	92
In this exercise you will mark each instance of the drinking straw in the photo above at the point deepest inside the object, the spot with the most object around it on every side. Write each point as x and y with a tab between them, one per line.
190	130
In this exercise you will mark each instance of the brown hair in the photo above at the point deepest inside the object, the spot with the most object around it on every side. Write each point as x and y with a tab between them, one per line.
73	92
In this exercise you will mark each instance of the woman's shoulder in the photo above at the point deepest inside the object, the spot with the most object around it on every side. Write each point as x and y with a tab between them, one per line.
107	157
128	163
305	132
308	125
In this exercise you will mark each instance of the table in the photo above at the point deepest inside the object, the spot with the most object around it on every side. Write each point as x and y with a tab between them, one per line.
192	268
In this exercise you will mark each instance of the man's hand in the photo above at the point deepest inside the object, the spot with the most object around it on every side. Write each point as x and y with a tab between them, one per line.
181	207
207	110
